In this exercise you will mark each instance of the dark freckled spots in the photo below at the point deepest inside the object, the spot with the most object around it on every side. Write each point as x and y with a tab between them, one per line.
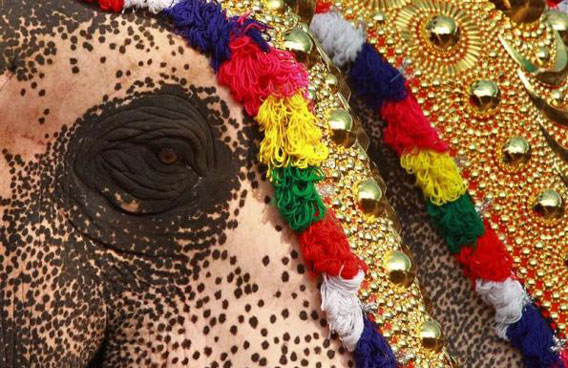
75	69
253	322
285	277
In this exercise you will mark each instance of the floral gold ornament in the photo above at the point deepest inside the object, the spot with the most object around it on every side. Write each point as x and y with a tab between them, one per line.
516	245
430	27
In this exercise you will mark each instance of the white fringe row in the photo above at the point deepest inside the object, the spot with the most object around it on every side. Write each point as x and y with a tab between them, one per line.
508	298
339	39
154	6
341	304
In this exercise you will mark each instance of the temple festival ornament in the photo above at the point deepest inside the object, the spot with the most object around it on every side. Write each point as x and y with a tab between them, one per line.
326	188
473	95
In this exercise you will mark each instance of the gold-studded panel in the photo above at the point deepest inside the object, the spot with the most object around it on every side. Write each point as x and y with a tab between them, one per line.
356	193
493	83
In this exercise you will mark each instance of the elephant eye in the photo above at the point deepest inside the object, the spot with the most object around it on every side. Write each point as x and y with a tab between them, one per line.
149	157
168	155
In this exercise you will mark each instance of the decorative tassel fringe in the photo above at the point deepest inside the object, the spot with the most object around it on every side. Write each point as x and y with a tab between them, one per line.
534	337
408	128
457	221
340	302
338	38
507	297
291	136
296	196
325	249
109	5
204	26
154	6
489	260
323	6
374	80
253	75
372	350
436	173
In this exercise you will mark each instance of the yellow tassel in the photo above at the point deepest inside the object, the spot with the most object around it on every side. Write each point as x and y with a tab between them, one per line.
291	137
436	173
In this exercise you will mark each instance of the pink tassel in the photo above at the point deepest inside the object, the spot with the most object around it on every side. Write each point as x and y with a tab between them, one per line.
253	75
407	127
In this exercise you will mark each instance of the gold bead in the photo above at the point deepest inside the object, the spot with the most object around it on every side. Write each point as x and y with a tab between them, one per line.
559	21
516	151
400	268
431	336
521	11
277	5
370	197
484	95
443	32
301	44
543	55
549	205
340	123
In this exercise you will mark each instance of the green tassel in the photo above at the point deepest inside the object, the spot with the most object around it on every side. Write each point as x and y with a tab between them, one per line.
458	222
296	196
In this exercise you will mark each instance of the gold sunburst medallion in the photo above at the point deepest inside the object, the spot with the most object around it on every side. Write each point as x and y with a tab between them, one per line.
443	39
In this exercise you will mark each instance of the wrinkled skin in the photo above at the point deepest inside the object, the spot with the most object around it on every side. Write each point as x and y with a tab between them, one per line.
135	228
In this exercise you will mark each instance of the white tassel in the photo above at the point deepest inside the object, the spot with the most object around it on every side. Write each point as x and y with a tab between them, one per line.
341	304
563	6
154	6
507	297
338	38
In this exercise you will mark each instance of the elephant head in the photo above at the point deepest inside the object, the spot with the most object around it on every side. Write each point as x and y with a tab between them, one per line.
135	229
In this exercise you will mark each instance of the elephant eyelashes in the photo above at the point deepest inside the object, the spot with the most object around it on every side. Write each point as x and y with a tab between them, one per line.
150	156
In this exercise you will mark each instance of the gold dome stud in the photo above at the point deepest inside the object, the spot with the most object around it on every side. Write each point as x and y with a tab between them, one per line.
304	8
301	44
341	123
370	197
400	267
277	5
443	32
484	95
549	205
521	11
431	336
559	21
543	55
516	151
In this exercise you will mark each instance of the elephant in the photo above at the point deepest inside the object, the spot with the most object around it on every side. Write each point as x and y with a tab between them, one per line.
128	244
136	227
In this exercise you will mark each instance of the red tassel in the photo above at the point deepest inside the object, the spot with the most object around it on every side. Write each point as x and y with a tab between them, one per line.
252	75
323	6
489	260
325	249
407	127
113	5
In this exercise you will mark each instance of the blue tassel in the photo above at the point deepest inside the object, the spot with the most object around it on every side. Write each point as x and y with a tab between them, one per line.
205	27
534	338
372	350
374	80
254	29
